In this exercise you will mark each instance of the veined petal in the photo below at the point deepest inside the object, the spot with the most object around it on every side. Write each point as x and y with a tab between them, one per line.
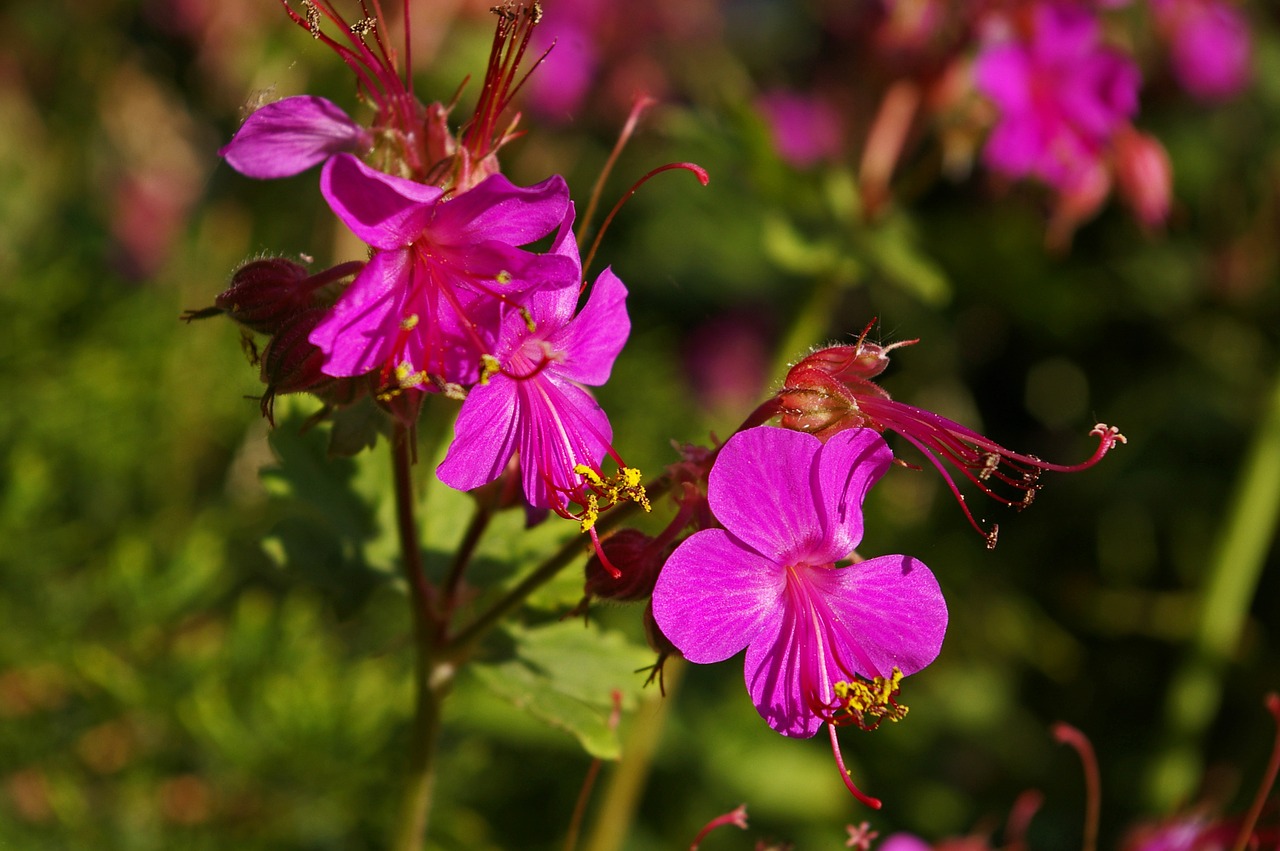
497	209
358	334
776	677
592	341
561	427
885	612
761	491
289	136
714	596
848	464
383	210
485	436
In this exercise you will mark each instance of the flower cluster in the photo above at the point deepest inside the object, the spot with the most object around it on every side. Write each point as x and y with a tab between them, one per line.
451	299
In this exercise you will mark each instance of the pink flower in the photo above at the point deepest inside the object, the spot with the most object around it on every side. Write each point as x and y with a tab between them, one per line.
805	128
1210	45
768	581
443	273
535	402
1060	93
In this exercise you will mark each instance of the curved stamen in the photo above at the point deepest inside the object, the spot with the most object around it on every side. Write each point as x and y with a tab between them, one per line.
697	171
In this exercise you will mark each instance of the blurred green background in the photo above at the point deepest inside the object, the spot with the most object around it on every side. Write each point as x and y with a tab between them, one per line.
164	684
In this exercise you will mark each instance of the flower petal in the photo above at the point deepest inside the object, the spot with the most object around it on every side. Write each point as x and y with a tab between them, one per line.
561	427
761	491
289	136
775	679
592	341
383	210
358	334
714	596
485	436
886	612
848	464
497	209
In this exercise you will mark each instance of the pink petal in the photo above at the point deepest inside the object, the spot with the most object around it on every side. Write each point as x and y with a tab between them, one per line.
498	210
360	330
714	596
383	210
848	464
485	437
592	341
761	491
561	427
289	136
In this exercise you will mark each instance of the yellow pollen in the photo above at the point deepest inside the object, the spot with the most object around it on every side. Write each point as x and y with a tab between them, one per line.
504	277
590	514
528	319
409	322
868	702
406	377
489	367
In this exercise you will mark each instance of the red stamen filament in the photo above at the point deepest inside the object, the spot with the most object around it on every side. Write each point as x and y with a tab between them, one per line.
1068	735
1268	780
873	803
736	817
698	172
638	108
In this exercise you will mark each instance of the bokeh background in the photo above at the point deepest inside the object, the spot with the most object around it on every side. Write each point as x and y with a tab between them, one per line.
164	683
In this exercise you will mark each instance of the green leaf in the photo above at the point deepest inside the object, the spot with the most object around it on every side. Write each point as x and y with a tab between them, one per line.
334	527
566	675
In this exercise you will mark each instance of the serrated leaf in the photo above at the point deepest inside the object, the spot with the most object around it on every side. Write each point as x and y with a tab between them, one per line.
566	675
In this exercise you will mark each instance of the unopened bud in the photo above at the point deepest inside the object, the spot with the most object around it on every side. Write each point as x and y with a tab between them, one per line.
636	555
264	294
291	363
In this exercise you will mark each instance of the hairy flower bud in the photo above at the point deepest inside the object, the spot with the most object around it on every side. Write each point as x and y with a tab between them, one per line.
266	294
291	363
637	555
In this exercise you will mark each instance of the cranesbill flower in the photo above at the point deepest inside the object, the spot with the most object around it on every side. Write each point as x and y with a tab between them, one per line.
533	401
1210	45
815	633
1060	92
443	273
831	390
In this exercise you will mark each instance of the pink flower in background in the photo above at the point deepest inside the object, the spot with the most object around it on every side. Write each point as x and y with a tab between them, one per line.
791	508
806	130
534	402
1060	93
432	298
1210	45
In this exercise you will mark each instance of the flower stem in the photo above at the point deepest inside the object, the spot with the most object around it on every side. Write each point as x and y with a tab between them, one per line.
431	676
1234	569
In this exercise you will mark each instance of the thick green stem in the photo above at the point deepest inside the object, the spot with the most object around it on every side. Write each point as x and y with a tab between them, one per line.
432	677
1234	568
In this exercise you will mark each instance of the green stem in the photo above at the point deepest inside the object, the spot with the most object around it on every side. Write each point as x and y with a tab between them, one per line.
431	676
545	572
1234	569
627	782
475	530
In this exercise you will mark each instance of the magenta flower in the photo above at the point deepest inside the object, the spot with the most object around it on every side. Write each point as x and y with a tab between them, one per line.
443	274
805	128
1210	46
535	402
791	508
1060	93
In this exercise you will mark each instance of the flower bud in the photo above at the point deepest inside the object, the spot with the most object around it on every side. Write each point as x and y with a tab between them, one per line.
291	363
266	293
639	558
